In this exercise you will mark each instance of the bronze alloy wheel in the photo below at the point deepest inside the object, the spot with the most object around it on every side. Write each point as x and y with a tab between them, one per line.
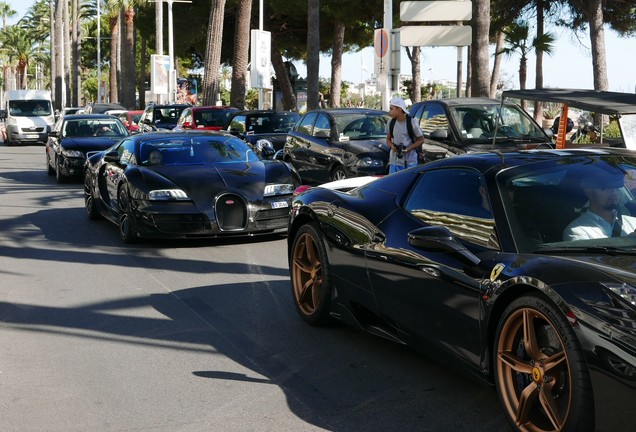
539	374
310	276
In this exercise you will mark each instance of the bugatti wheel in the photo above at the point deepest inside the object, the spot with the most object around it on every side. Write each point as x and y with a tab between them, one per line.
311	279
540	372
126	222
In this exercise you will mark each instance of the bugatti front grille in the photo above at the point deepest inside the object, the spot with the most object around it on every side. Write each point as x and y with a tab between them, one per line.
231	213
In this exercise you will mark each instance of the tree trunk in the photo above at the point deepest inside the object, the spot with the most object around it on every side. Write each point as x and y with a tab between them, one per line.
158	37
53	31
212	60
241	54
416	73
77	44
286	88
114	44
59	55
128	69
313	54
336	63
494	78
141	82
538	83
67	54
597	40
523	73
479	49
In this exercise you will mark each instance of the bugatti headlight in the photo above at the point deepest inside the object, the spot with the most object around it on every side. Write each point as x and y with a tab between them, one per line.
168	195
278	189
625	291
369	161
72	153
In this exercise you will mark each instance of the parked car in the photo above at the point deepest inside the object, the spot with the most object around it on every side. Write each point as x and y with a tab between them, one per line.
332	144
131	119
71	110
101	108
204	117
76	135
465	255
266	131
157	117
461	125
188	184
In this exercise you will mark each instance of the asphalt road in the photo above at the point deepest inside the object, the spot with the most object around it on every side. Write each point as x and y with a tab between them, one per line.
96	335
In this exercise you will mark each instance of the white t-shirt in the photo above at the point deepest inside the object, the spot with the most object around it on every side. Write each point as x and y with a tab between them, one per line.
591	226
401	136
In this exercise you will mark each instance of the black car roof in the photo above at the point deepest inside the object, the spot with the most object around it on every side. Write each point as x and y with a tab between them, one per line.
88	116
487	161
172	134
604	102
462	101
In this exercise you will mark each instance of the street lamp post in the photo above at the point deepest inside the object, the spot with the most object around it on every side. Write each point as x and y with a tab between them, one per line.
99	54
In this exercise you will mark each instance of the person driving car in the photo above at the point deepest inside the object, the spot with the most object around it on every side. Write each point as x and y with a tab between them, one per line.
602	219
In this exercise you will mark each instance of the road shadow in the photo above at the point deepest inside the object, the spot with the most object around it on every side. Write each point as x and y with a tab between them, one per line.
334	378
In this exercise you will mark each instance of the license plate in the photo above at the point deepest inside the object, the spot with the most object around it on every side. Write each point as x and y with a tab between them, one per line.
32	136
280	204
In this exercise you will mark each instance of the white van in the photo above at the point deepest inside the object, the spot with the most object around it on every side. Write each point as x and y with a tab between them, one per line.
29	116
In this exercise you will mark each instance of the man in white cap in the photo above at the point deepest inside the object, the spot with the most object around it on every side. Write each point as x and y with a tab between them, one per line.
403	136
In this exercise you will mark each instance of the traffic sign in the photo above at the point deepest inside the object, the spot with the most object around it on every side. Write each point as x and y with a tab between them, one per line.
436	11
435	35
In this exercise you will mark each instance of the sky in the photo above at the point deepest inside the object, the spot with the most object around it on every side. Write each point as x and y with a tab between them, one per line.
570	65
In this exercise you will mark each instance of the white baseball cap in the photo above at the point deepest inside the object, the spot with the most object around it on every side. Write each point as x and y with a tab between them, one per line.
399	102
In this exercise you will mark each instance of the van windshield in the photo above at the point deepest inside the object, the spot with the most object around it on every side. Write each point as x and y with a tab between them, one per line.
29	108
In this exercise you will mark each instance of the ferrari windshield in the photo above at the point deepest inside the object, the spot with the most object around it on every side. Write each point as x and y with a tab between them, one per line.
196	150
572	203
477	123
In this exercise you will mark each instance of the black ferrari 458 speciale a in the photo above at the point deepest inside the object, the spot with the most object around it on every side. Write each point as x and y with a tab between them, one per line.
188	184
522	266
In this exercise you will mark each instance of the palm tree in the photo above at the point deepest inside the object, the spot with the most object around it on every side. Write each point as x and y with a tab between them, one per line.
128	67
212	60
6	12
313	54
479	65
516	39
19	48
241	53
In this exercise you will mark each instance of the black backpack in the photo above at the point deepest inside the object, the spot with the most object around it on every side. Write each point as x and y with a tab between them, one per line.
409	128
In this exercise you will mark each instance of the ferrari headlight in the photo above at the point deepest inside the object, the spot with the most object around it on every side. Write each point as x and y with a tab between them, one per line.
168	195
625	291
73	153
368	161
278	189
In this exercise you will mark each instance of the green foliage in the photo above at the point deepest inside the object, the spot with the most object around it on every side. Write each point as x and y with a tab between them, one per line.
251	99
612	130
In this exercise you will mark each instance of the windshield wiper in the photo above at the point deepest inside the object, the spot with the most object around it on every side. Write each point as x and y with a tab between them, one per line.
608	250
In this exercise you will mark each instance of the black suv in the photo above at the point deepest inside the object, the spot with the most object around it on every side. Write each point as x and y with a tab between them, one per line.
462	125
160	117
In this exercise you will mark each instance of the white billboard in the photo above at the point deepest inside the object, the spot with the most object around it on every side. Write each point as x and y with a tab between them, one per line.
260	59
159	73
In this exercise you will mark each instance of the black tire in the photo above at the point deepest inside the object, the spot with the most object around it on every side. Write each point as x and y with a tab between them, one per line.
49	169
89	200
543	373
338	173
126	221
311	276
59	177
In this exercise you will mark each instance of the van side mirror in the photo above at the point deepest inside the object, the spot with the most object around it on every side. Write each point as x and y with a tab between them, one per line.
3	114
